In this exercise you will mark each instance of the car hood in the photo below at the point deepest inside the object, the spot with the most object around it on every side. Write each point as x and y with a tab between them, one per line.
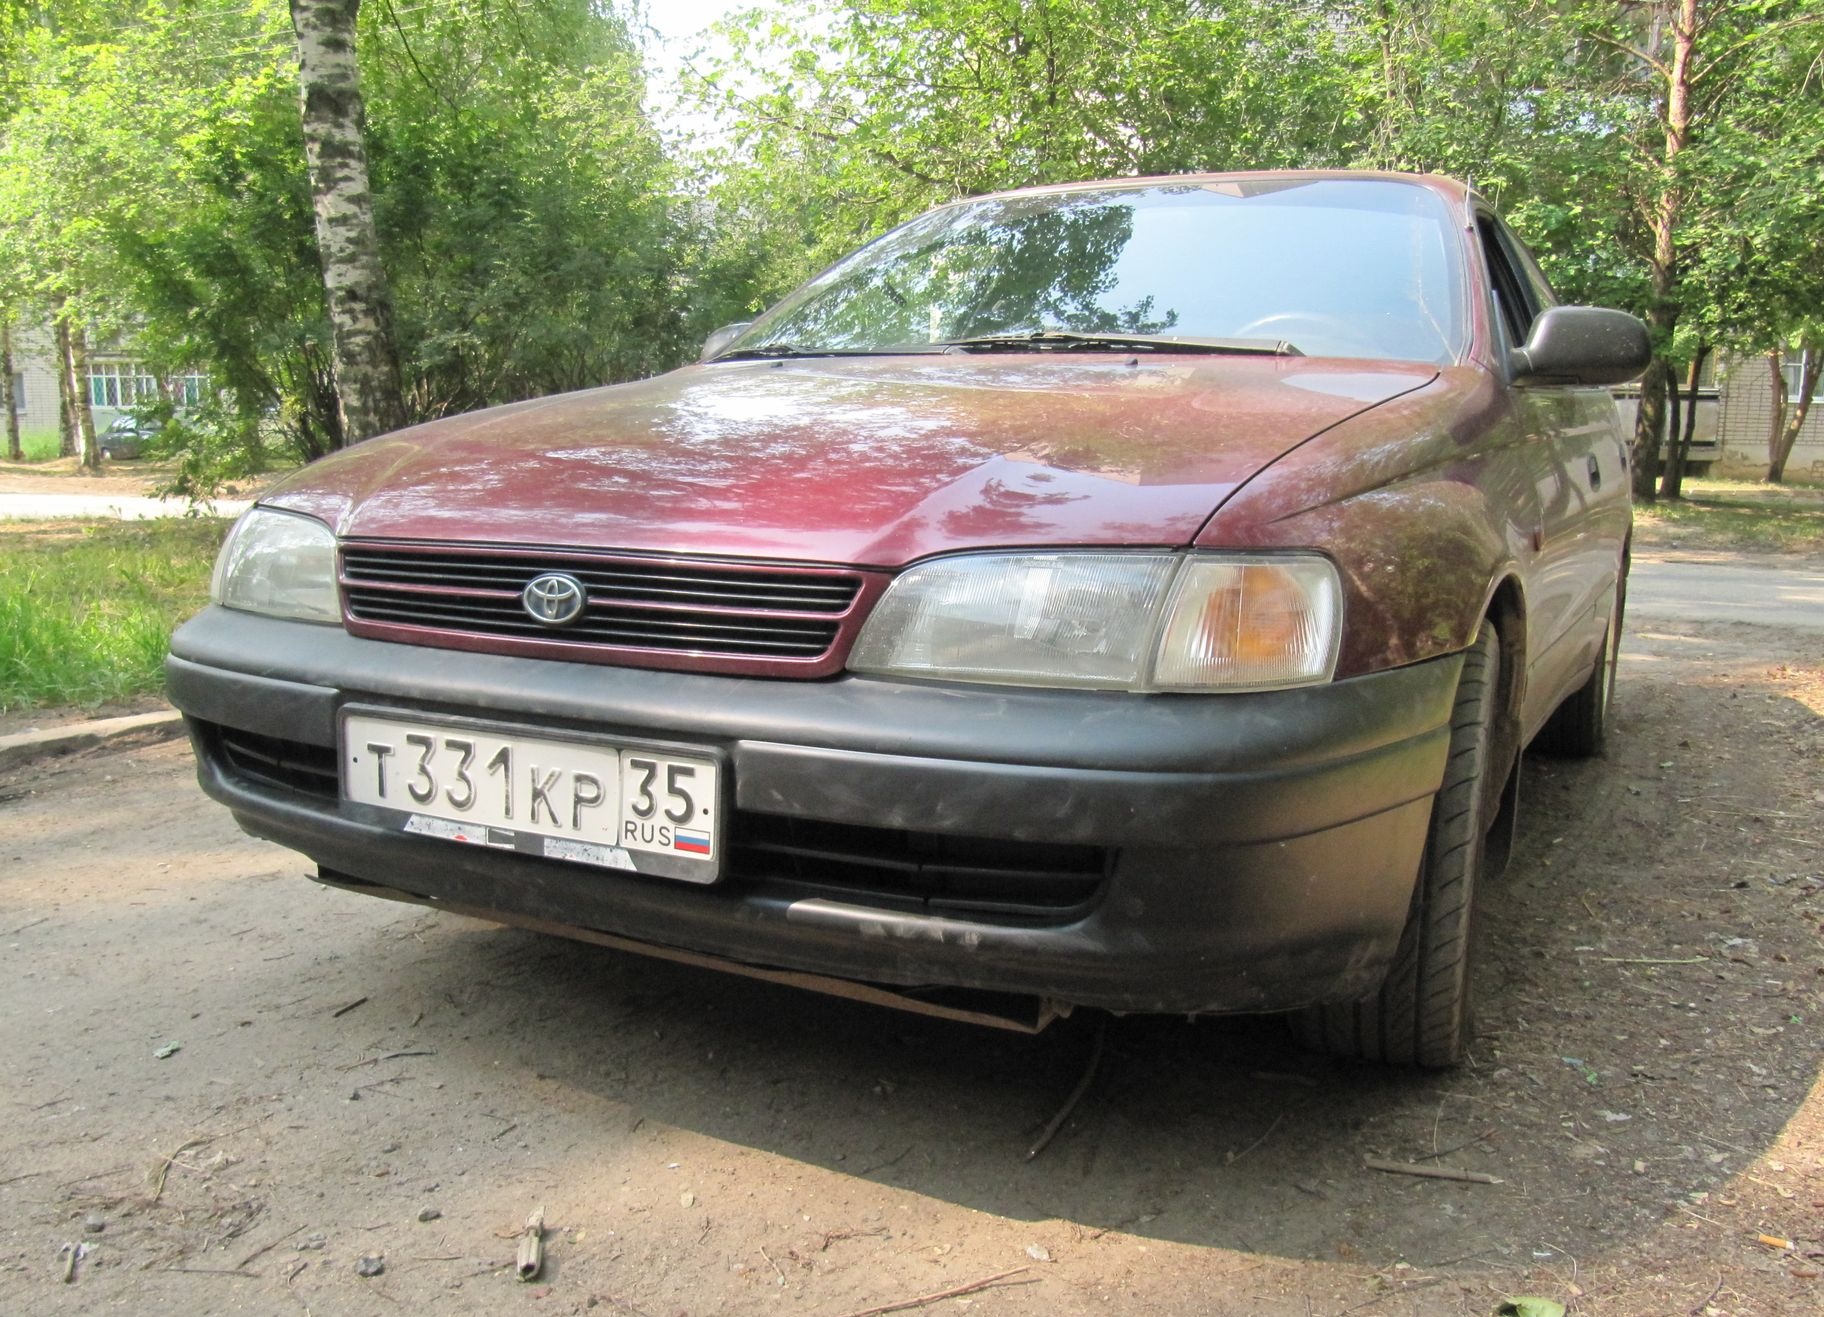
861	460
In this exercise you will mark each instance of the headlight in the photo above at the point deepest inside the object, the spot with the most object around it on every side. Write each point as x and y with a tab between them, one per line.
1119	621
281	564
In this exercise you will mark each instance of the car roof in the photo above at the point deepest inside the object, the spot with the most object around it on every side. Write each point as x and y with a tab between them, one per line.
1453	190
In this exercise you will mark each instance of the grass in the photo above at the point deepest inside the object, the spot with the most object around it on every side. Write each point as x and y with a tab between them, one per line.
1736	515
36	445
87	609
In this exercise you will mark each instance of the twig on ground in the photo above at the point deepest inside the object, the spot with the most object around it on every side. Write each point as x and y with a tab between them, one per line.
1458	1147
162	1168
1076	1094
267	1248
340	1011
1704	1302
846	1232
879	1166
925	1299
532	1246
390	1056
1724	1143
1257	1142
215	1271
772	1264
1653	960
1429	1172
1388	1294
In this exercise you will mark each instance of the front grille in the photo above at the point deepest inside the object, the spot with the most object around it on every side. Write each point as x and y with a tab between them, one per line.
312	770
931	872
728	616
888	868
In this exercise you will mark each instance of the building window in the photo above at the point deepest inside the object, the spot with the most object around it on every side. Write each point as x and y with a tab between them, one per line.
120	384
1794	370
18	392
187	389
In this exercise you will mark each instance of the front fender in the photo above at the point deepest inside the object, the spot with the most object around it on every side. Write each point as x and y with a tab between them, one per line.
1426	505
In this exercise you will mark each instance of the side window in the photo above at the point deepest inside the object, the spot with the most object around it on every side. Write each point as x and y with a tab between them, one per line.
1527	268
1515	299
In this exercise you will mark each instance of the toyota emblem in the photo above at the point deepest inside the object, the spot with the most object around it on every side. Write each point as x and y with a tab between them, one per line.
553	599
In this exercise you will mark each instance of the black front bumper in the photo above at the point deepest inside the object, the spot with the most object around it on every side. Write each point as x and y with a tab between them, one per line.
1258	851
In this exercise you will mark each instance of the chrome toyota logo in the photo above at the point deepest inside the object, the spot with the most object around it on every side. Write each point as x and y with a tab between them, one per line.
554	599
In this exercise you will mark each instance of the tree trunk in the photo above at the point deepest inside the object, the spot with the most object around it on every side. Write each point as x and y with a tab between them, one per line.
1776	388
1672	483
8	397
66	398
1650	422
86	446
1801	406
1662	311
360	312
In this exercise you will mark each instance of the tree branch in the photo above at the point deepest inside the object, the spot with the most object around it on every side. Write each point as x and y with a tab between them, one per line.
1656	65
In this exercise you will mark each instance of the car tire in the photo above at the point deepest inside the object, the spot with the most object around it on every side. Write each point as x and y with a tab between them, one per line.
1421	1013
1579	728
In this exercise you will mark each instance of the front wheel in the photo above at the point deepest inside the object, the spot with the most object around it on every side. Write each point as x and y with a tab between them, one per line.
1421	1013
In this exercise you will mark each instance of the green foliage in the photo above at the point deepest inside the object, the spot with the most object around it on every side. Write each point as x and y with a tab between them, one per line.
522	199
155	175
86	612
539	237
870	112
852	117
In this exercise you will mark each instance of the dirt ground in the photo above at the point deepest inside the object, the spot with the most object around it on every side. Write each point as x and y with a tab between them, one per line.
66	476
359	1080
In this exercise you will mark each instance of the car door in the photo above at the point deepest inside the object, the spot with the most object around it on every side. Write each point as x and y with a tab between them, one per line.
1578	464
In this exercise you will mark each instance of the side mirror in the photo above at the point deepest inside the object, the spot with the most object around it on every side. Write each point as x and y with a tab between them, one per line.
1582	345
714	344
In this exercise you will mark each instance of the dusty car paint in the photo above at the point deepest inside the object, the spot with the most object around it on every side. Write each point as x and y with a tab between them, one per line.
870	462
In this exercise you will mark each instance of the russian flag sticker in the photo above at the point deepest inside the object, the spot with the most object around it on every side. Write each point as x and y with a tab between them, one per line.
696	843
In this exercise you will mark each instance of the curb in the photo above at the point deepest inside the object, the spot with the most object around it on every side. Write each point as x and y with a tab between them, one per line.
24	747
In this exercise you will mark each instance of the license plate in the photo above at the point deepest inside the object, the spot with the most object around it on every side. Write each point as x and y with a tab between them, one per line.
615	806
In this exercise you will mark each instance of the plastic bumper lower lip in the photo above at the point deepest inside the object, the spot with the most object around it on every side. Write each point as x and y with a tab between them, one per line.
1264	845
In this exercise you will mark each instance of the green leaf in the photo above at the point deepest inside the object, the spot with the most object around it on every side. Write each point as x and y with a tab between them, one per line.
1530	1306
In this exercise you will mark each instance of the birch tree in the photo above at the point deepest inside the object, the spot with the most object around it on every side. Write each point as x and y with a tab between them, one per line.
8	399
365	360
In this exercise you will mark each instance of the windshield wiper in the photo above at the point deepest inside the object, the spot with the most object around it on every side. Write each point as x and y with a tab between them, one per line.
1068	340
777	350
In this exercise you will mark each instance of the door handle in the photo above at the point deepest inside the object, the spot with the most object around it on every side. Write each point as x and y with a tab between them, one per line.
1595	473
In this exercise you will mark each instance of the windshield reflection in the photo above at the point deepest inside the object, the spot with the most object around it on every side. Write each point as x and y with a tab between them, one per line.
1343	267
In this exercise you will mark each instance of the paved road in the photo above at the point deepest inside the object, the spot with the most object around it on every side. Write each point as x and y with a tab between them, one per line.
1683	590
14	507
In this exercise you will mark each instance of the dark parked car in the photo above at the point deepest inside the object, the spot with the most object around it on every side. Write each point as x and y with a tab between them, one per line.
122	439
1131	595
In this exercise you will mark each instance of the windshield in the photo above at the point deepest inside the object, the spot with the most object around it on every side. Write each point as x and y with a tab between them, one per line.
1332	267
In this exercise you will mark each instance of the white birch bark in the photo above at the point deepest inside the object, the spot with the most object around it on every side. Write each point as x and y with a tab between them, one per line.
7	398
86	447
365	362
